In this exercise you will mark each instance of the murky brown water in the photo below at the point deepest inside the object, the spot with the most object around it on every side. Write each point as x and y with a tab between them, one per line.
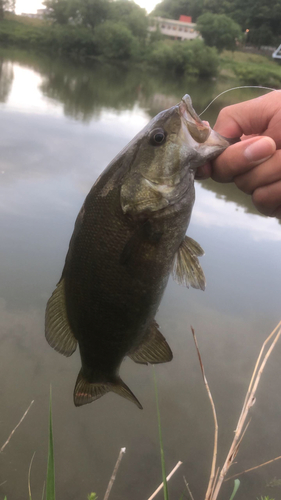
60	125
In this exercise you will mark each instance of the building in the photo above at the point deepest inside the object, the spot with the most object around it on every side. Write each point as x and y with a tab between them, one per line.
39	15
179	30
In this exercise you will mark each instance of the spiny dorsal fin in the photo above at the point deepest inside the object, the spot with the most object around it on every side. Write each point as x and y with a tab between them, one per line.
186	268
153	349
86	392
57	329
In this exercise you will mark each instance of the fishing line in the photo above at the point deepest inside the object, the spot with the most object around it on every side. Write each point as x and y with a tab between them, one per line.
235	88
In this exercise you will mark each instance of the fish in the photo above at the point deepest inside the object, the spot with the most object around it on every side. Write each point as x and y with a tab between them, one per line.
129	236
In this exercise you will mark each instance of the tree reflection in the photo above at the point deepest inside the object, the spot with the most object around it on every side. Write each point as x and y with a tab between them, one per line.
6	79
85	91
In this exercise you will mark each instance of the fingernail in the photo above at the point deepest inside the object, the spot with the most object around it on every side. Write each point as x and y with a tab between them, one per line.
260	150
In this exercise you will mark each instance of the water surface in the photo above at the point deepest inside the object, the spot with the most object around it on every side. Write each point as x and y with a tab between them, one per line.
60	125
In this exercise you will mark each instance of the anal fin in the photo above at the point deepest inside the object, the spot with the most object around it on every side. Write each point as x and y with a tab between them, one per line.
153	348
57	329
186	268
85	392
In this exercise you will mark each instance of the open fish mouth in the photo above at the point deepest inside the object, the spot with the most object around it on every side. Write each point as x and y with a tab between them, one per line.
198	129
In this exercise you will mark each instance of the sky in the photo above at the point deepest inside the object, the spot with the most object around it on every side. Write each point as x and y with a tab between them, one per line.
31	6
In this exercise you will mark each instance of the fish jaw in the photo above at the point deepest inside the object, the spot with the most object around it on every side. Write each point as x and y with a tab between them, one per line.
207	143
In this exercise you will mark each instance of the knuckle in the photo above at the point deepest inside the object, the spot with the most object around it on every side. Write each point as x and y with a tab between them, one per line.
243	184
261	201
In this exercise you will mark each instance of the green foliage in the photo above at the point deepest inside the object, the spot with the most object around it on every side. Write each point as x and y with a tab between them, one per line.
236	486
219	30
131	15
115	41
93	13
50	481
174	8
261	18
92	496
184	58
265	498
251	69
89	13
5	6
256	75
59	39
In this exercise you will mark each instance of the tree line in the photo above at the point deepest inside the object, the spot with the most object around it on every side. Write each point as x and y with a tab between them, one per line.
118	30
262	18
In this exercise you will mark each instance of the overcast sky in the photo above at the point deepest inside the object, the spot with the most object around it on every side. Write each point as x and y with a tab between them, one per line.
30	6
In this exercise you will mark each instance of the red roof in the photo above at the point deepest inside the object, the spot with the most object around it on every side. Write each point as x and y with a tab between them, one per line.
185	19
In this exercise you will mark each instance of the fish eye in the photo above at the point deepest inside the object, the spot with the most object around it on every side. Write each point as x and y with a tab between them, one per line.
157	137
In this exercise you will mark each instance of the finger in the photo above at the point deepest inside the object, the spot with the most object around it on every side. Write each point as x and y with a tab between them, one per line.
251	117
263	174
267	199
203	172
242	157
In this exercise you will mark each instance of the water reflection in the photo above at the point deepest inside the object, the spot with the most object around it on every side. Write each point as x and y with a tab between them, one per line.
53	147
6	78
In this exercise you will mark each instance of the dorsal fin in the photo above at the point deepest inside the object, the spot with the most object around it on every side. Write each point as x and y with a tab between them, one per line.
186	268
57	329
153	348
85	392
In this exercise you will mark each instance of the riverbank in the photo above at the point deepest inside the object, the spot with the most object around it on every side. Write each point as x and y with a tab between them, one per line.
189	59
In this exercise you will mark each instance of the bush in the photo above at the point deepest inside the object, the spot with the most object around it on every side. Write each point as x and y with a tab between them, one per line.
219	30
115	41
258	75
184	58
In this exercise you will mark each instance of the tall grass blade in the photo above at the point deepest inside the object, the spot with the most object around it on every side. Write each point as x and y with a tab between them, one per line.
50	482
236	486
165	487
28	480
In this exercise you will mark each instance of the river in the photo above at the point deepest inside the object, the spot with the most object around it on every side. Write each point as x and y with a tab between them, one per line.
61	123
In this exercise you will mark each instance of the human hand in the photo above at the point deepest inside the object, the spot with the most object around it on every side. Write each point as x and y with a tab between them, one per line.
254	164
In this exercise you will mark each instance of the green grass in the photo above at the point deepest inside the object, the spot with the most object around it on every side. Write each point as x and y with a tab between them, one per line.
236	486
250	69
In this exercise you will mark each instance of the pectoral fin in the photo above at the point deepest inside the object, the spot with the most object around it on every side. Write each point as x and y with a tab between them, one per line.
57	329
186	268
153	349
86	392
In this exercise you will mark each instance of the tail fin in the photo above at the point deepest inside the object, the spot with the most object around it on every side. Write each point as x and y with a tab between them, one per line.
86	392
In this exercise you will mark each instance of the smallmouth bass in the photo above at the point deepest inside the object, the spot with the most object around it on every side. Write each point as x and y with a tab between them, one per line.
130	234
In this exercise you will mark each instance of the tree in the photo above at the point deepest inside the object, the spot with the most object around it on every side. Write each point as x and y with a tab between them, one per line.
131	15
89	13
173	9
219	30
60	11
115	41
6	5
